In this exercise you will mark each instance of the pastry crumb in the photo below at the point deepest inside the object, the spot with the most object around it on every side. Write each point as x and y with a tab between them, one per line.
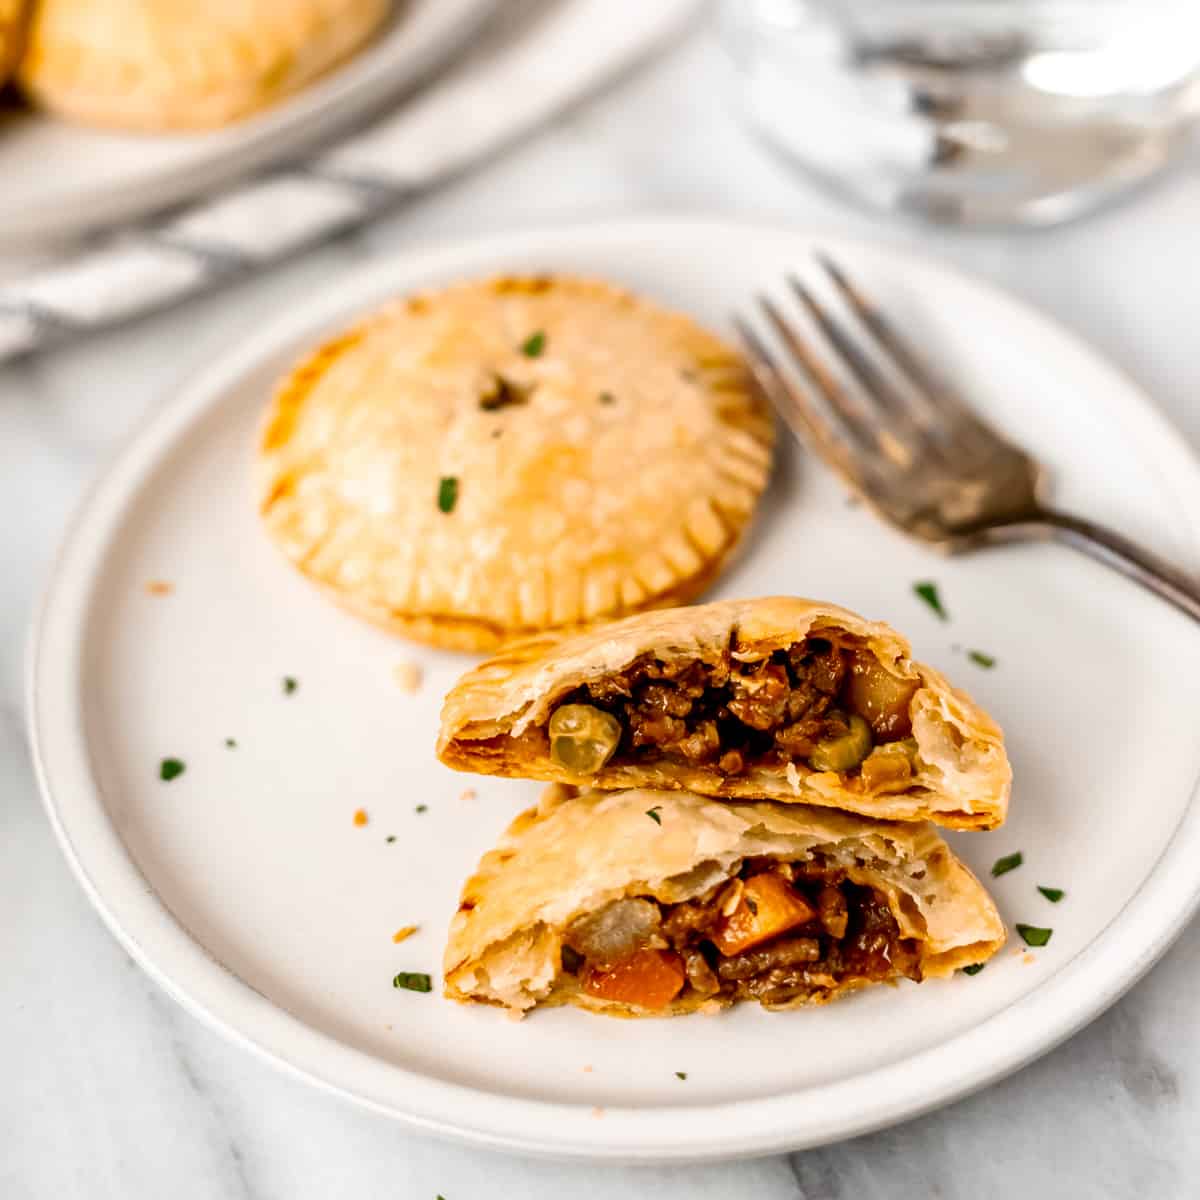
587	1070
408	676
159	587
360	817
1029	959
468	794
404	932
597	1112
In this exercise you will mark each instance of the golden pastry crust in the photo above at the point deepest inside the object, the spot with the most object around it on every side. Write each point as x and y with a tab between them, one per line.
606	455
160	65
13	16
493	719
575	854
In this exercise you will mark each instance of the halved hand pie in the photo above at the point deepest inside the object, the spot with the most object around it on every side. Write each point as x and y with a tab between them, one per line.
776	698
172	64
514	454
648	903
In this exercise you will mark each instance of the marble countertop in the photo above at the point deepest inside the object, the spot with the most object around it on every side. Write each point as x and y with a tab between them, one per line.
111	1091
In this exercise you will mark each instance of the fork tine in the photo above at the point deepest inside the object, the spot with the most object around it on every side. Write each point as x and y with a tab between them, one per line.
855	422
871	433
803	417
874	383
929	383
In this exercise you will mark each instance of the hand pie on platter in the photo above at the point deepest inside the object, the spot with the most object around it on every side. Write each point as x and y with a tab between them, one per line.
508	455
647	903
159	65
776	698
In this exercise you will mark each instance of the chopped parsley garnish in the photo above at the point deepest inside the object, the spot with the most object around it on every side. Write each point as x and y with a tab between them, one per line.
607	398
230	744
981	660
752	905
447	493
290	684
973	969
534	344
680	1074
1054	895
413	981
928	592
421	808
391	837
653	814
170	768
1010	862
1032	935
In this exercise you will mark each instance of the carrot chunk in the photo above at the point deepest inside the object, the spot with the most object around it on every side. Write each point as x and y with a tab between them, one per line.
769	906
649	978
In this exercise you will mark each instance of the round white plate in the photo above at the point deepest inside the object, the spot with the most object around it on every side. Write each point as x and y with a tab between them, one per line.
246	889
100	177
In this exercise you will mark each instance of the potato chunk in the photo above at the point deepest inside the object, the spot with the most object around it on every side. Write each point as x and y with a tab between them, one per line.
880	697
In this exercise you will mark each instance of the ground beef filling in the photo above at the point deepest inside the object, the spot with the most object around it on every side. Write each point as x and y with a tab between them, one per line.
777	934
729	714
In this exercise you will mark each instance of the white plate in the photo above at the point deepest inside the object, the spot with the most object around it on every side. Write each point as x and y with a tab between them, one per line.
100	178
246	890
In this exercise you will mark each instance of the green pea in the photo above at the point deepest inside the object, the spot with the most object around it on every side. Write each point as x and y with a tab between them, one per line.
583	738
843	753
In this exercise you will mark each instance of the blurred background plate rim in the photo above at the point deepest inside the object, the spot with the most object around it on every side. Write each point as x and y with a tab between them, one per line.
1078	991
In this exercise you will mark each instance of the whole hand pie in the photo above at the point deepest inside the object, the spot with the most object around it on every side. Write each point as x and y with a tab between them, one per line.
505	456
173	65
776	698
12	26
648	903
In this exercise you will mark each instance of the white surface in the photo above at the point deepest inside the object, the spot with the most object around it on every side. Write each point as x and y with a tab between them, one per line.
113	1091
101	176
262	889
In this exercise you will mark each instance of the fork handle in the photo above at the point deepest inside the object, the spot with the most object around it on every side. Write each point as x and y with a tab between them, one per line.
1160	577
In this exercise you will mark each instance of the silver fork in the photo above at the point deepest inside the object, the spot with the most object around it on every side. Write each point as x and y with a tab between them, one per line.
914	450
